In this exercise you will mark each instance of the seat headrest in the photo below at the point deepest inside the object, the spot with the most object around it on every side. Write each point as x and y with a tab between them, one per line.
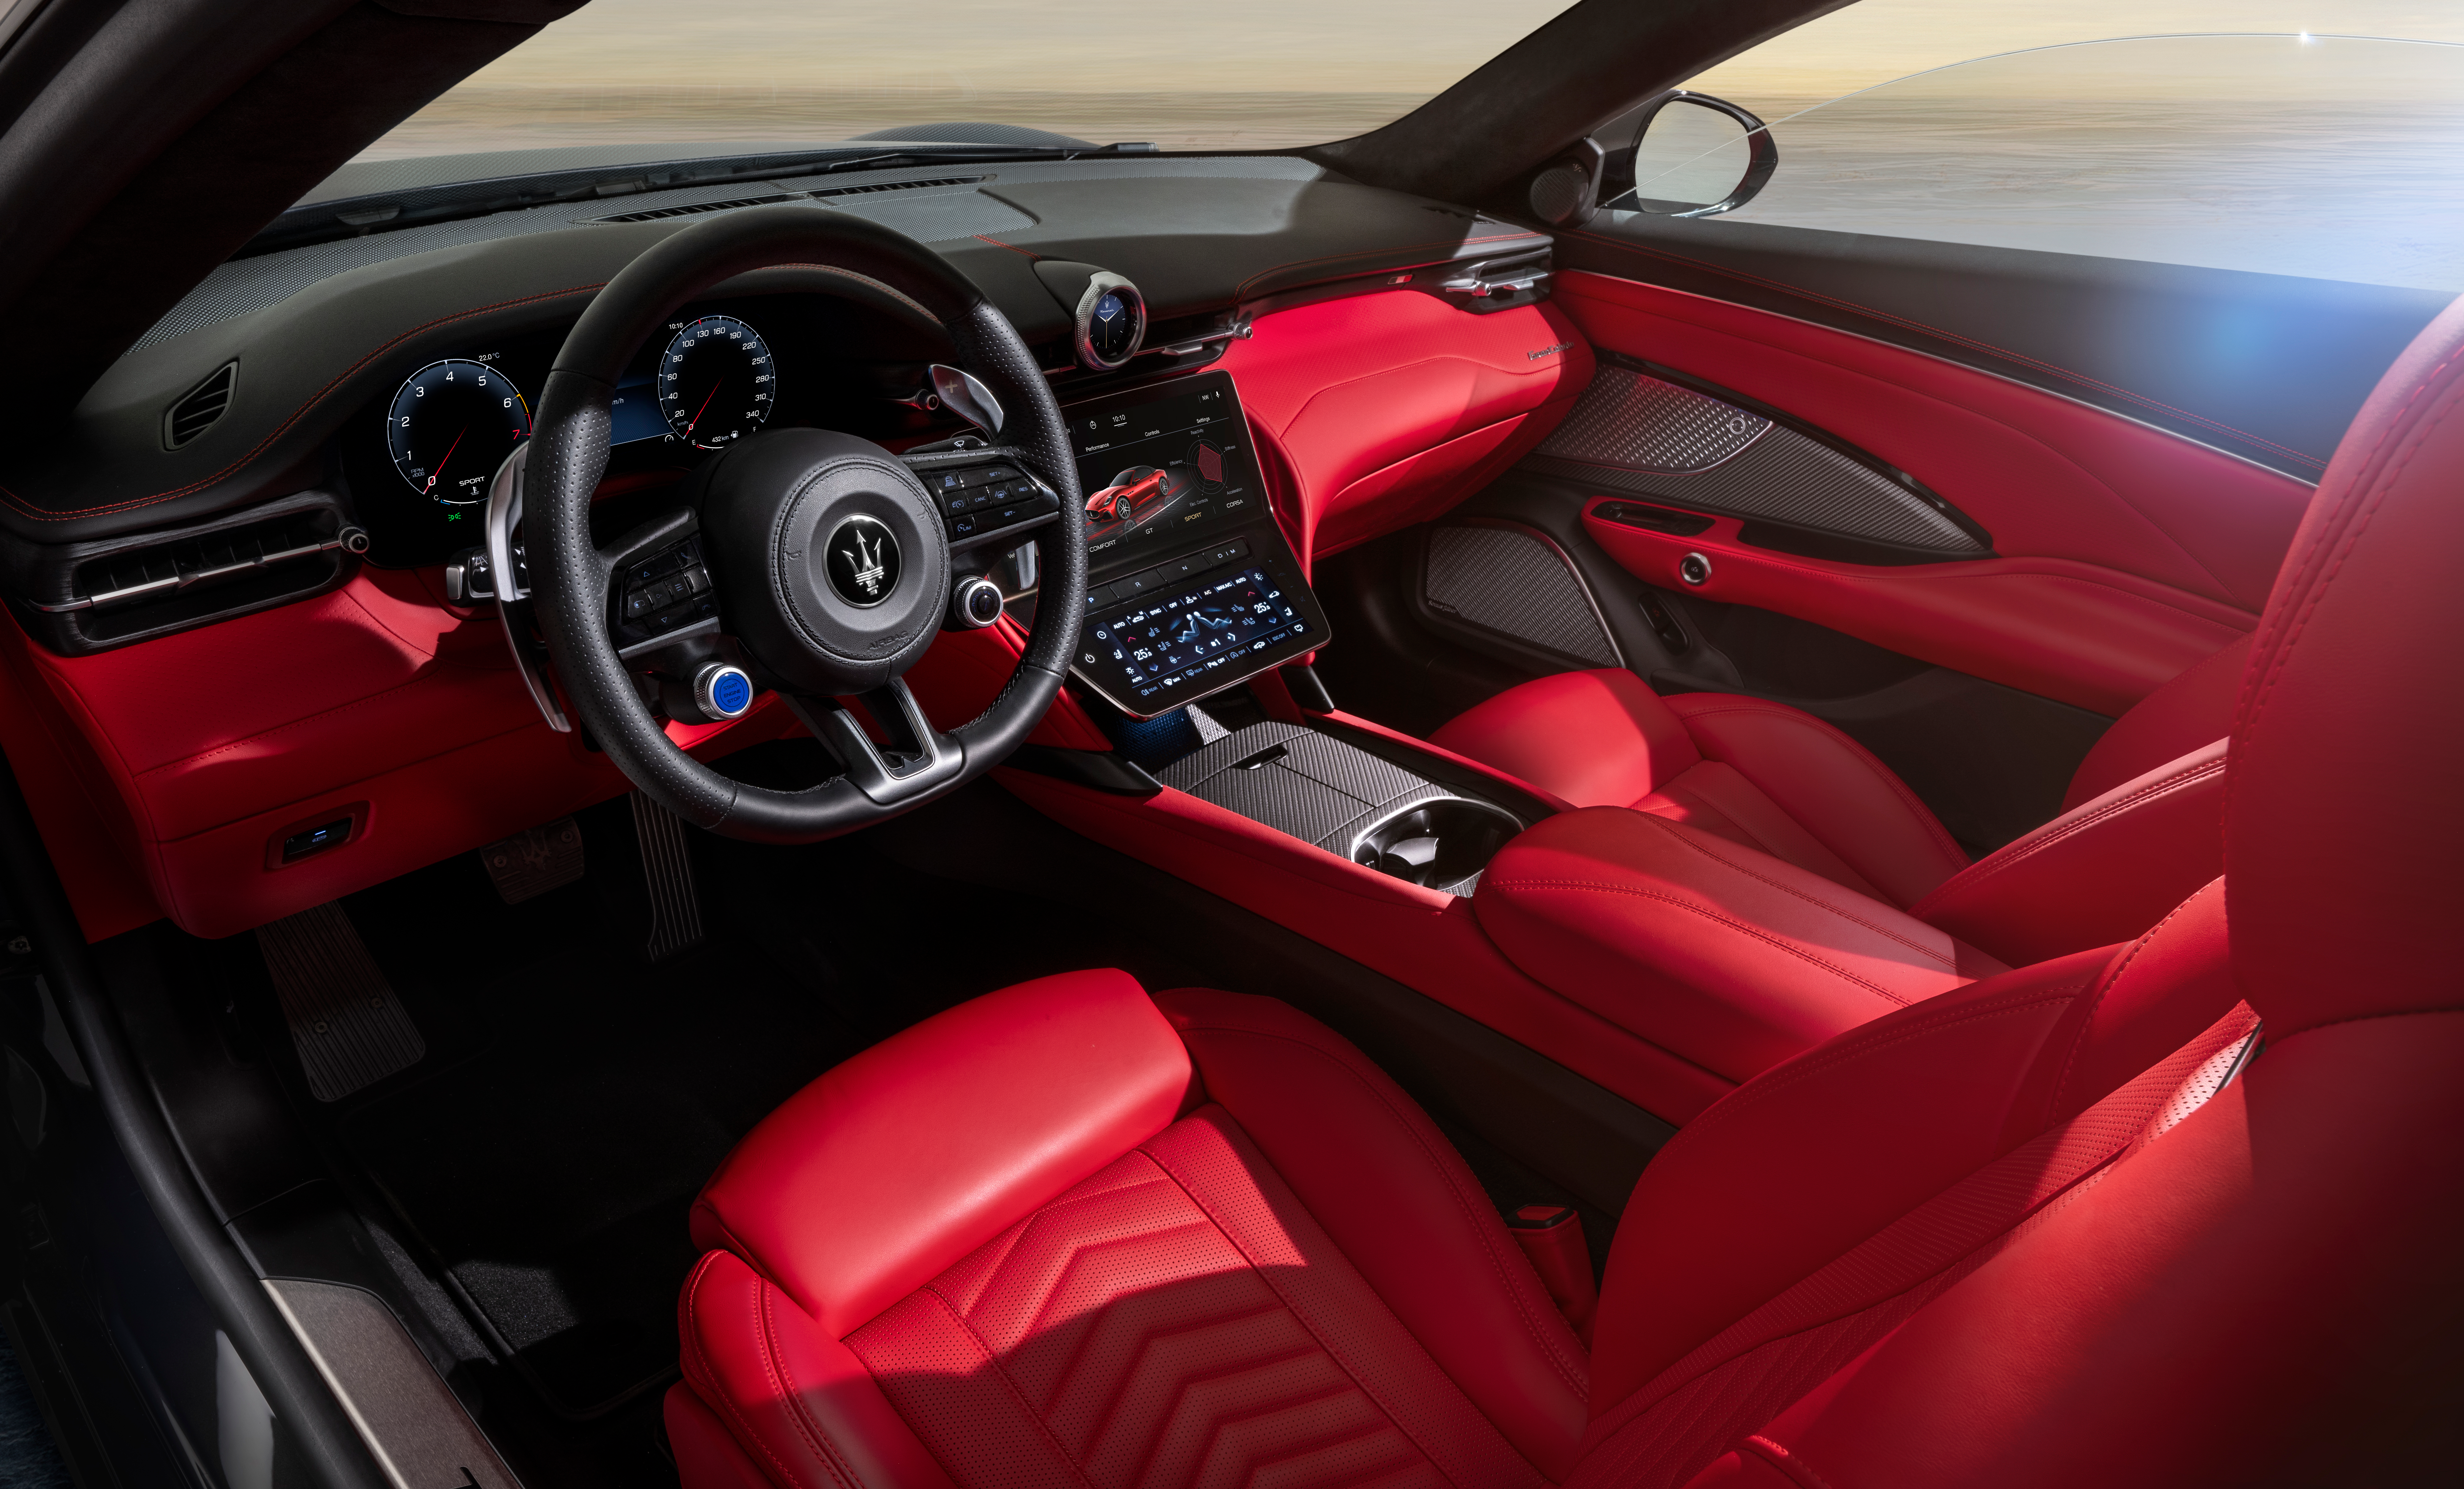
2344	807
873	1179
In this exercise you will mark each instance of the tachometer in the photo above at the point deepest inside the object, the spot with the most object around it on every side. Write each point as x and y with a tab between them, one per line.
452	423
716	381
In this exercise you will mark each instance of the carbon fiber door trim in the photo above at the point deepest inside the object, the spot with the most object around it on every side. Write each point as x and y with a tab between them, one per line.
1516	583
1638	434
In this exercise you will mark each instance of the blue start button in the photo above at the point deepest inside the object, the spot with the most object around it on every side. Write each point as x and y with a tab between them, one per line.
723	691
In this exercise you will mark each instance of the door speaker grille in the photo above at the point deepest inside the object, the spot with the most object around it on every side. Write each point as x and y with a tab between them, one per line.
1517	584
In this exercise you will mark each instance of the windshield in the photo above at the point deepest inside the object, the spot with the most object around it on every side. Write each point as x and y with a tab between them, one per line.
1181	74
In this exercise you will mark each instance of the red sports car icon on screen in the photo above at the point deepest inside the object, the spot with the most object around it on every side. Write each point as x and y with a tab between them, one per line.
1137	489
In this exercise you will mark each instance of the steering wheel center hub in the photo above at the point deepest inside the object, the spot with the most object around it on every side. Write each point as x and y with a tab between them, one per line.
834	563
862	560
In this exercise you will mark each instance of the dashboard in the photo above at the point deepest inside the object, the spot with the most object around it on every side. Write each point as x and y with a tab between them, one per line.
230	568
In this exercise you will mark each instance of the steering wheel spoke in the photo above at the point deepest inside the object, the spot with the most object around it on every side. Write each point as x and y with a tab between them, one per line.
919	760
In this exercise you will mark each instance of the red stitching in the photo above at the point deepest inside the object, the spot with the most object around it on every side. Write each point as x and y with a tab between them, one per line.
1940	835
297	414
702	1357
1566	1369
1918	947
1963	340
2105	985
1243	288
2051	833
1739	925
1012	247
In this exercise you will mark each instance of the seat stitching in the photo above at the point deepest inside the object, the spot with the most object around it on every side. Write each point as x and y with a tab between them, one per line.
1001	1373
1953	336
807	1427
2349	536
1333	1351
1688	841
1762	1087
1739	925
2096	998
1577	1381
702	1357
2393	1012
1923	815
2030	846
1681	797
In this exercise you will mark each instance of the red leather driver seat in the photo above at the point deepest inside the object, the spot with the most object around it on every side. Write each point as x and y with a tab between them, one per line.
2066	1225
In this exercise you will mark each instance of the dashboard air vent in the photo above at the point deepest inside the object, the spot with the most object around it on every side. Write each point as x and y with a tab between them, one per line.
895	186
90	597
199	408
655	214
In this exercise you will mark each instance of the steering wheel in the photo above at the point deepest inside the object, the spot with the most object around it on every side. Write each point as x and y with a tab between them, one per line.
829	561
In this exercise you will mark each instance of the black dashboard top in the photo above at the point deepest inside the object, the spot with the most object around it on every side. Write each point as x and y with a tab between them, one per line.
311	336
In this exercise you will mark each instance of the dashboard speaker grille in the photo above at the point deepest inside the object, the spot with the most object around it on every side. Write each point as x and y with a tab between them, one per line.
696	208
1511	583
199	408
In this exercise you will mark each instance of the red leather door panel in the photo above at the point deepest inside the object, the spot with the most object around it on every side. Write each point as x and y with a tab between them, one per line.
2126	553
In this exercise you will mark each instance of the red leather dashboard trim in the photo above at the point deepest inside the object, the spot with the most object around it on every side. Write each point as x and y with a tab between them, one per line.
2049	477
1425	940
2087	635
1390	408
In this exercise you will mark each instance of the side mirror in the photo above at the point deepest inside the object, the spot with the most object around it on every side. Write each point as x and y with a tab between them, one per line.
1695	156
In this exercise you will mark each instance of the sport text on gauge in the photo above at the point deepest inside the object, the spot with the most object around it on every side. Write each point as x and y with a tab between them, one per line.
452	424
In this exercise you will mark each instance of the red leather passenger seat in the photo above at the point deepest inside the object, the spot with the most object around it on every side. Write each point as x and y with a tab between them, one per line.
2139	826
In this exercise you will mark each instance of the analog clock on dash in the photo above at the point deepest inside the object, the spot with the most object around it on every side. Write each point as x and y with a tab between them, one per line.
717	381
452	424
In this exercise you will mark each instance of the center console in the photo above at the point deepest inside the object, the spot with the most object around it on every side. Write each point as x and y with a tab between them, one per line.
1194	590
1191	586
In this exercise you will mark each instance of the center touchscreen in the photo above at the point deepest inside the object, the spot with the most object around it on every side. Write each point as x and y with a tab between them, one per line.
1193	587
1156	471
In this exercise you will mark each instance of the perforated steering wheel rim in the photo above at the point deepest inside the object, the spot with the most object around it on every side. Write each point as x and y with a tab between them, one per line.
570	573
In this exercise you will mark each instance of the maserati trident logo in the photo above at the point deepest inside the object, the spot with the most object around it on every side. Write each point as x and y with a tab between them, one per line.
863	560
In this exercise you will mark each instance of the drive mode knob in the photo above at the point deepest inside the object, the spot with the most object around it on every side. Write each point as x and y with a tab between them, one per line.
975	604
722	691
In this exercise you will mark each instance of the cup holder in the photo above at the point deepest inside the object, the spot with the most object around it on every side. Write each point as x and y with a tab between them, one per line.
1438	843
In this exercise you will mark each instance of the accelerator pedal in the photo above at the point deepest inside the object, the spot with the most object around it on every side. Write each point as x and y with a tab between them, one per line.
349	1028
667	868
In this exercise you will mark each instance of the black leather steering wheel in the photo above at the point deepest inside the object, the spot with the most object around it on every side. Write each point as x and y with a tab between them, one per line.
771	511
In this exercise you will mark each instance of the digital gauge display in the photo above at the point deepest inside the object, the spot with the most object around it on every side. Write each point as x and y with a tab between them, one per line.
717	382
452	424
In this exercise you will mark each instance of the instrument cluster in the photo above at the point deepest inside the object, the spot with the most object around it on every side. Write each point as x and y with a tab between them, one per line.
419	462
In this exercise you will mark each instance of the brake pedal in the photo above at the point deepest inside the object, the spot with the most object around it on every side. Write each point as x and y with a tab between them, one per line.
667	868
530	863
349	1028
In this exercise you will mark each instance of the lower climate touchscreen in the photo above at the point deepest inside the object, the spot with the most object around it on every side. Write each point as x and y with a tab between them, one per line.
1194	588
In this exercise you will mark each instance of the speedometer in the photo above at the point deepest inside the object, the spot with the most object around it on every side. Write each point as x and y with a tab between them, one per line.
452	424
717	382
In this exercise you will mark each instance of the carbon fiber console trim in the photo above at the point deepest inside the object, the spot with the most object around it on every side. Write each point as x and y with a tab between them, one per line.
1312	786
1515	582
1646	436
